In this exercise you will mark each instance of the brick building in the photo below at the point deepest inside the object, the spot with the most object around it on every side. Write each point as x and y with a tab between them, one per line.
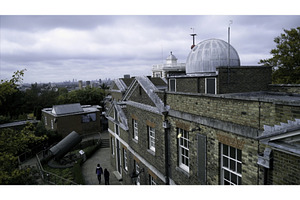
215	125
72	117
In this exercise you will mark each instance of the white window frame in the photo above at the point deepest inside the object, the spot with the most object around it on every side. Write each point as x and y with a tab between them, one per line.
52	124
231	165
113	146
46	122
183	147
137	171
117	129
206	85
116	116
151	180
125	159
151	132
135	130
172	79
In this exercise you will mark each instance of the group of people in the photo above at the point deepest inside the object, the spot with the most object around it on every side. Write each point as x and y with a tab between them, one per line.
99	172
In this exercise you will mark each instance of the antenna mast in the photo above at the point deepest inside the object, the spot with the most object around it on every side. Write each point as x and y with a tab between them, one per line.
228	57
193	35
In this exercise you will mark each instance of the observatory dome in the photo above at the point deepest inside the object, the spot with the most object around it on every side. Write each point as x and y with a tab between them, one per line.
209	54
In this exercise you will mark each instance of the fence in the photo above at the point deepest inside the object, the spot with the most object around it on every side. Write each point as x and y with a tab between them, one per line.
49	177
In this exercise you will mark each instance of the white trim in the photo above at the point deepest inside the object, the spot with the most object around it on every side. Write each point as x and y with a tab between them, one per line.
135	130
183	165
151	138
147	164
283	136
174	84
125	159
228	169
206	84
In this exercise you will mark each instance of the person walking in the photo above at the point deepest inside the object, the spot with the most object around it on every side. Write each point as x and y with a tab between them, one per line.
99	171
106	176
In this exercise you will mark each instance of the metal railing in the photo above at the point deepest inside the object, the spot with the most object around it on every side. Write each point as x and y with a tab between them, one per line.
49	177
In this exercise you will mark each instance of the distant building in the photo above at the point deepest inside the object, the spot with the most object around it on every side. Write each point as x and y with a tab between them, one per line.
218	124
80	84
72	117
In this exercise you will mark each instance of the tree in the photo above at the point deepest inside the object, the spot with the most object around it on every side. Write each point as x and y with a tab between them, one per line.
8	87
12	143
286	58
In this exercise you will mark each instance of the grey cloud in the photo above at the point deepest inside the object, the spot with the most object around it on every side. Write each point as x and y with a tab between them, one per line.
65	47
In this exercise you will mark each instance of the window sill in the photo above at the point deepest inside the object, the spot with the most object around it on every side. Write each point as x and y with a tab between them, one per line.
182	171
151	152
135	140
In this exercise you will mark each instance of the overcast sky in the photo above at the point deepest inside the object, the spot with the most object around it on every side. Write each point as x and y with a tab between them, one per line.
63	47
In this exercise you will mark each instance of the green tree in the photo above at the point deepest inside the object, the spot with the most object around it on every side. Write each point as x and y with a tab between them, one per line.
12	143
9	87
11	97
87	96
286	58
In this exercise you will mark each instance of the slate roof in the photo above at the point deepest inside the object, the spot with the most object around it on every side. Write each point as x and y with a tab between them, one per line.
67	109
150	89
285	136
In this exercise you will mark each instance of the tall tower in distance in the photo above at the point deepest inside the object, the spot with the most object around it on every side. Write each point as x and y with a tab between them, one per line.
80	84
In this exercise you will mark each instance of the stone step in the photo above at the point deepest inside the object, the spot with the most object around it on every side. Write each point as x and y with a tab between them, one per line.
105	143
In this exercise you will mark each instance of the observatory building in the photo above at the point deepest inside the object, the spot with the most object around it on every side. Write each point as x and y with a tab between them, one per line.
219	123
170	68
206	56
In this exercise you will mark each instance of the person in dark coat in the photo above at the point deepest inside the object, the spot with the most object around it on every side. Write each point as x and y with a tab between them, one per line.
106	176
99	171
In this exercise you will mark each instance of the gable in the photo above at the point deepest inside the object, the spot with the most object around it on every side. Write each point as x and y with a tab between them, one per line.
118	109
140	96
142	93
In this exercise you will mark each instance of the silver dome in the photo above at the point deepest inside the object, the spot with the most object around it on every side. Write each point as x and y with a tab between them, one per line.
209	54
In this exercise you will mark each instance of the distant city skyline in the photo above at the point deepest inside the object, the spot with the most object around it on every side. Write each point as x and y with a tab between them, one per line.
56	48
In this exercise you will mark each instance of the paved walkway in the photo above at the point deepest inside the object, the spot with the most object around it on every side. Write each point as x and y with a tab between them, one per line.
101	156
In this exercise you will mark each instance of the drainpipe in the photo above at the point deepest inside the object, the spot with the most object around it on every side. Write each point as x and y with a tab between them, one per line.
259	113
167	154
166	132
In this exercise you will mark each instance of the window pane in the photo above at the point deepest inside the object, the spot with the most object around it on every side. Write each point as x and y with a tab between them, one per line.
240	180
226	182
239	155
226	174
239	168
225	149
232	165
234	179
185	143
232	152
187	161
225	162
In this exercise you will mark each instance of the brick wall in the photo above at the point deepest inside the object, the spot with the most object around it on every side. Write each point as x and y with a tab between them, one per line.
66	124
289	88
141	146
285	169
116	95
243	79
140	96
252	113
214	138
